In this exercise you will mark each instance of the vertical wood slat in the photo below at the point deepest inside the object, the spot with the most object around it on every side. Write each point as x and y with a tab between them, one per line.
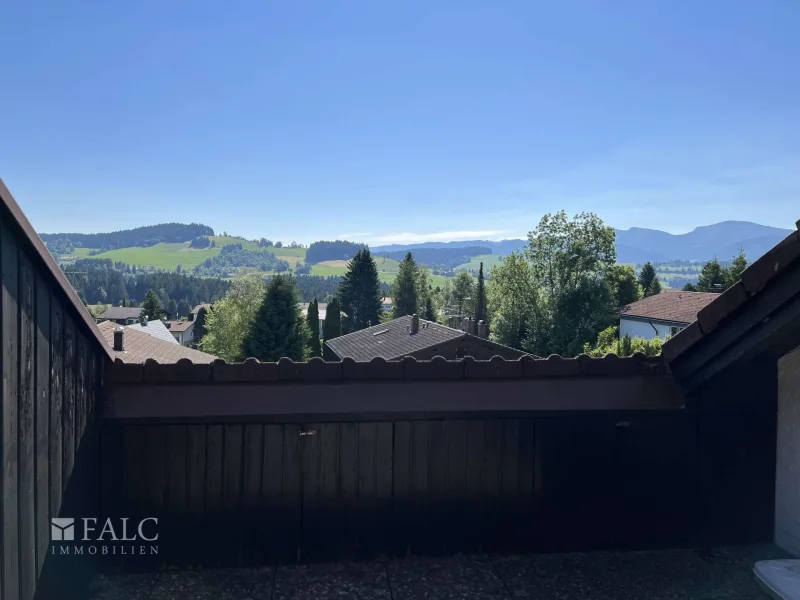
42	420
196	484
56	437
401	474
68	413
10	351
27	510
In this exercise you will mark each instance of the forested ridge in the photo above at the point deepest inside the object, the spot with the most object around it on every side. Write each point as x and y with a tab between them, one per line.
140	236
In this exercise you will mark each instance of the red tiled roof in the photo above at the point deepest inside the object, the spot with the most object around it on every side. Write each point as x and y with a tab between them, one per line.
673	306
754	279
140	346
179	326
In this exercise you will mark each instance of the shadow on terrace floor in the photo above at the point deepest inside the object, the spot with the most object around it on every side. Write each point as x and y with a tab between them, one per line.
719	573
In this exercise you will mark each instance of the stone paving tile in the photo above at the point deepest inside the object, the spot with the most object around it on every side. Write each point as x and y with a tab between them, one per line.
451	578
656	575
136	586
215	584
356	581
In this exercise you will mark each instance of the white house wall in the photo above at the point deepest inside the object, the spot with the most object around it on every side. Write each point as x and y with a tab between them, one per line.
787	481
642	329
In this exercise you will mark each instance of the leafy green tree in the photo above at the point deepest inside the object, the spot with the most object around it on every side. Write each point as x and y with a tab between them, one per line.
424	288
480	299
712	277
360	292
332	328
313	328
689	287
570	261
512	299
733	272
648	280
279	330
229	319
624	285
462	298
405	297
608	342
151	307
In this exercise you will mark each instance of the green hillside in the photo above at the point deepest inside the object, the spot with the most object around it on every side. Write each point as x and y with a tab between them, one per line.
488	260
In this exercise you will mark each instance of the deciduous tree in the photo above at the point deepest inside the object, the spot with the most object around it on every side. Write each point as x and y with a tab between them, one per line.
228	320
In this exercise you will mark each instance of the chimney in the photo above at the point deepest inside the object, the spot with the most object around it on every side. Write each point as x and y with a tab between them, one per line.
414	324
482	333
119	339
470	326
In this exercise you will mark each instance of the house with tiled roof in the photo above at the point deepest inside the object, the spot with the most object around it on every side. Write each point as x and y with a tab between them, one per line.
155	328
122	315
134	346
662	315
417	338
182	331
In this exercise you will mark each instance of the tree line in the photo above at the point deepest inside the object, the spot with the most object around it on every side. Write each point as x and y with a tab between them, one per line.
140	236
234	256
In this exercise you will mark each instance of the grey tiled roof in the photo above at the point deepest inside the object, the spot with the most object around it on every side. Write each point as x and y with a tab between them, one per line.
121	312
392	339
155	328
140	346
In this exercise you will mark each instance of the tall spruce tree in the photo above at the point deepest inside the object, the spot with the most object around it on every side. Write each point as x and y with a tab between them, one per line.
649	280
480	299
313	328
360	293
712	277
332	327
405	299
172	309
151	307
279	329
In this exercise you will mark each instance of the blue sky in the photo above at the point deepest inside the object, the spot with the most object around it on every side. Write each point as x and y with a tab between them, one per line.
399	121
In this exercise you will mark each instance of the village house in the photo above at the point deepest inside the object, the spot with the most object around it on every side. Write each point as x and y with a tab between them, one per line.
421	339
662	315
681	467
121	315
135	345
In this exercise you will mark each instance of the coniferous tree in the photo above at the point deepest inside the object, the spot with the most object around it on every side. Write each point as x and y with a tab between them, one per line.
649	280
151	307
712	277
404	291
279	330
734	271
172	309
183	308
480	299
332	327
429	312
360	293
313	328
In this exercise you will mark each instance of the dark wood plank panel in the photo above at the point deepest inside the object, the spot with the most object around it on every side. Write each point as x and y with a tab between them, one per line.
178	445
311	487
253	468
232	469
401	475
27	506
292	487
420	486
68	415
348	486
214	468
456	432
278	531
196	484
9	273
384	446
56	439
42	420
439	518
158	456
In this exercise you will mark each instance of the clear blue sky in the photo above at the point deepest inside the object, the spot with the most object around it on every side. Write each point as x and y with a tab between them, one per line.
388	121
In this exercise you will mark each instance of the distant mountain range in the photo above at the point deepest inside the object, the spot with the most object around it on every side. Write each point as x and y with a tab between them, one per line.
639	245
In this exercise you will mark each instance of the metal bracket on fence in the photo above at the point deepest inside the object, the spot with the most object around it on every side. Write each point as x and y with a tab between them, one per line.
312	432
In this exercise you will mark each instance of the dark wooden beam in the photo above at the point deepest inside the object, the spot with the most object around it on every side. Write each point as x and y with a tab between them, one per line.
348	400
